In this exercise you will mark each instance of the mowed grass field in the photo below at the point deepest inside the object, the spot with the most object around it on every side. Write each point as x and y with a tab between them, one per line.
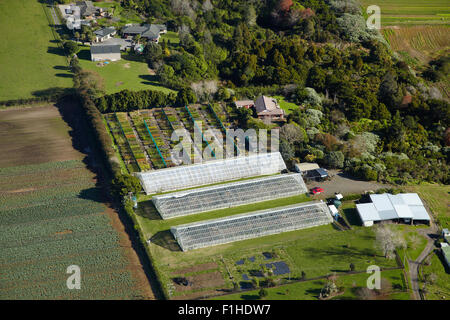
317	251
30	61
411	12
53	215
127	73
437	197
440	288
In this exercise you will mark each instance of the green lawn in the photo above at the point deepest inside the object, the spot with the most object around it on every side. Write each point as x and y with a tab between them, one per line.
127	73
440	289
288	107
30	60
411	12
436	197
310	290
171	37
415	242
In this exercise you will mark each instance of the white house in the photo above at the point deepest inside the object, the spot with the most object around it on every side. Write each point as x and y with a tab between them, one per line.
104	34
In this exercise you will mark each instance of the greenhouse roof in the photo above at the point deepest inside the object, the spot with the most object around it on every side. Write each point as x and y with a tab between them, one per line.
251	225
182	177
229	195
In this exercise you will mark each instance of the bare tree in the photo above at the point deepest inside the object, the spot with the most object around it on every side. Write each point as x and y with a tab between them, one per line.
205	89
184	8
387	240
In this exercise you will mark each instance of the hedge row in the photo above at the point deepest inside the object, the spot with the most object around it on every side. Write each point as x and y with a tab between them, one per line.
127	100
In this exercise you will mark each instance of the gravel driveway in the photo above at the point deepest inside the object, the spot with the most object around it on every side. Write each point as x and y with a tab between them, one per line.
345	184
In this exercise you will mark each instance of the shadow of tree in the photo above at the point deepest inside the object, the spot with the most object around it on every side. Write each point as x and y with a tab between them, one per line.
93	194
64	75
250	297
56	50
61	68
84	54
352	216
54	91
165	240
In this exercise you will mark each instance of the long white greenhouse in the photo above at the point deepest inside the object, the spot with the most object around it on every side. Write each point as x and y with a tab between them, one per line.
210	172
229	195
251	225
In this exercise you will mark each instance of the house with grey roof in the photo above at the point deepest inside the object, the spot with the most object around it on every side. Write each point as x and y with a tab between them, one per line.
103	52
104	34
268	109
87	9
151	32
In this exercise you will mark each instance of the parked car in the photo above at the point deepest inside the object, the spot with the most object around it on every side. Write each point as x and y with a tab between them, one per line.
317	190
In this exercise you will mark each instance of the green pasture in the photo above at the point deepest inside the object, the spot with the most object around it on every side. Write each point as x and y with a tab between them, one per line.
128	73
30	59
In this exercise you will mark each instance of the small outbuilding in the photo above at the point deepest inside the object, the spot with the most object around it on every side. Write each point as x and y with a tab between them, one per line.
105	52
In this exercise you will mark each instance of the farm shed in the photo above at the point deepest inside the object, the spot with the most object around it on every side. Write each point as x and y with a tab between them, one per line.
251	225
403	207
305	166
229	195
188	176
105	52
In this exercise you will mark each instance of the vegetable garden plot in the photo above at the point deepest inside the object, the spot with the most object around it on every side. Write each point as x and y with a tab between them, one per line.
147	140
122	144
132	140
161	133
197	120
214	121
176	124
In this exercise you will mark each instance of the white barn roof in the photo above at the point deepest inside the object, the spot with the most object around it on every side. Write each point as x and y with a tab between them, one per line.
367	212
387	207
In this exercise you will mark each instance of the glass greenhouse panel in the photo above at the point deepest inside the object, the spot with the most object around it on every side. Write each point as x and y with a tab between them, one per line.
229	195
215	171
251	225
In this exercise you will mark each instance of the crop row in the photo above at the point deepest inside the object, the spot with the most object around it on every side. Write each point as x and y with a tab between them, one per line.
147	140
69	245
40	196
37	168
101	261
48	178
38	231
136	149
117	284
50	210
184	124
122	143
162	132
